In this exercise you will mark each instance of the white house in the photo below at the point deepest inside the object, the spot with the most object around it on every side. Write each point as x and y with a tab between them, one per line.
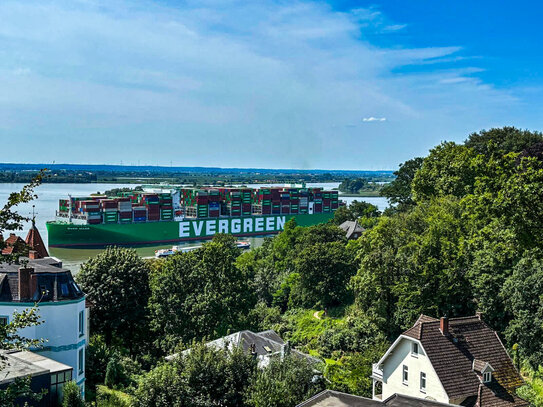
263	346
61	306
457	361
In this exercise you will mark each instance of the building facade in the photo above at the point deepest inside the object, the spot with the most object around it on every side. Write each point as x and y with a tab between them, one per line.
458	361
61	307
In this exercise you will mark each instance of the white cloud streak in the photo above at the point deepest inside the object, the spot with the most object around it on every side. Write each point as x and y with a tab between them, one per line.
374	119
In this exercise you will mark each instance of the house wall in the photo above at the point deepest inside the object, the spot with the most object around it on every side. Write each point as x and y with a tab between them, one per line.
60	330
393	374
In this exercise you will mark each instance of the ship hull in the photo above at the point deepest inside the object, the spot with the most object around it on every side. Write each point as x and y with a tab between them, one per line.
68	235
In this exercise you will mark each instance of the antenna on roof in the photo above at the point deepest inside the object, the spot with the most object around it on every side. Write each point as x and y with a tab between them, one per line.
33	216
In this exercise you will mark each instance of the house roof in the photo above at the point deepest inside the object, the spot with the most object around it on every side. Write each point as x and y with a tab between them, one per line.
266	343
453	355
16	364
35	242
331	398
350	227
58	283
13	242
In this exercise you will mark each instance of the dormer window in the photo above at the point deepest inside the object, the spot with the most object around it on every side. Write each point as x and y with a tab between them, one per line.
487	377
414	349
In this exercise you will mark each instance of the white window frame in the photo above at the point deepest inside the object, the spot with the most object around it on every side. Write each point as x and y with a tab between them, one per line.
423	382
405	375
487	377
415	349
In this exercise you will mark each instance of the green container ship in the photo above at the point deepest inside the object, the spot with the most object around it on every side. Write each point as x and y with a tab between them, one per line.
175	214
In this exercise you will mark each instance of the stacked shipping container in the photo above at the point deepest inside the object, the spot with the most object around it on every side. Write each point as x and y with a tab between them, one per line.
201	203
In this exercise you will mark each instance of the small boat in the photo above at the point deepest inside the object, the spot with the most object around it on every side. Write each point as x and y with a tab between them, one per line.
160	253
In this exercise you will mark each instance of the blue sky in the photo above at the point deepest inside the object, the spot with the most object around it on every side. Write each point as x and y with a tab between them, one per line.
275	84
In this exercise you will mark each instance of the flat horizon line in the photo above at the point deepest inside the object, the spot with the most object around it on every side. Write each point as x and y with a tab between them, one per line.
38	166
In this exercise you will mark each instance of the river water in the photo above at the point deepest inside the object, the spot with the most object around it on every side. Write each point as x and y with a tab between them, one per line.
47	203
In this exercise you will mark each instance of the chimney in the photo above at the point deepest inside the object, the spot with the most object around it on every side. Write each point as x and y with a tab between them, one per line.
479	315
33	255
24	275
444	325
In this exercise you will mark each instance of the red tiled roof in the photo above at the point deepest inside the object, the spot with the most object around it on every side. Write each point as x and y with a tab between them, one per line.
452	357
34	240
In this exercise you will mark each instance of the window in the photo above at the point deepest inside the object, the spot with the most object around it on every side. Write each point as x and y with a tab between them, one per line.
57	384
414	349
64	289
81	323
3	321
405	375
487	377
423	382
81	360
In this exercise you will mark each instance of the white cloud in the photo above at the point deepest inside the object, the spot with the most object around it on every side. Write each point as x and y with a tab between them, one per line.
229	83
374	119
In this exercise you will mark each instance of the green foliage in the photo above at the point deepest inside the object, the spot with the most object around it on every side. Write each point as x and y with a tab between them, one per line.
449	169
18	390
502	140
351	373
399	191
324	270
72	395
411	264
106	397
10	219
204	376
116	282
200	293
114	373
364	212
283	383
522	293
532	391
352	185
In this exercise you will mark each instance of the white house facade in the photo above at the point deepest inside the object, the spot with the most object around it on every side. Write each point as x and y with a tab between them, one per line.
61	307
405	369
456	361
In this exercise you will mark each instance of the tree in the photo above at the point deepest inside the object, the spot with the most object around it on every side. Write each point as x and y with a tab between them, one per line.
352	186
364	212
116	281
413	263
72	395
200	293
204	376
324	270
283	383
10	219
399	192
503	140
522	294
9	336
449	169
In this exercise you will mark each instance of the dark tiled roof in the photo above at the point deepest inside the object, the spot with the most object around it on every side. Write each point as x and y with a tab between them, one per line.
331	398
57	282
401	400
478	365
452	357
350	227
